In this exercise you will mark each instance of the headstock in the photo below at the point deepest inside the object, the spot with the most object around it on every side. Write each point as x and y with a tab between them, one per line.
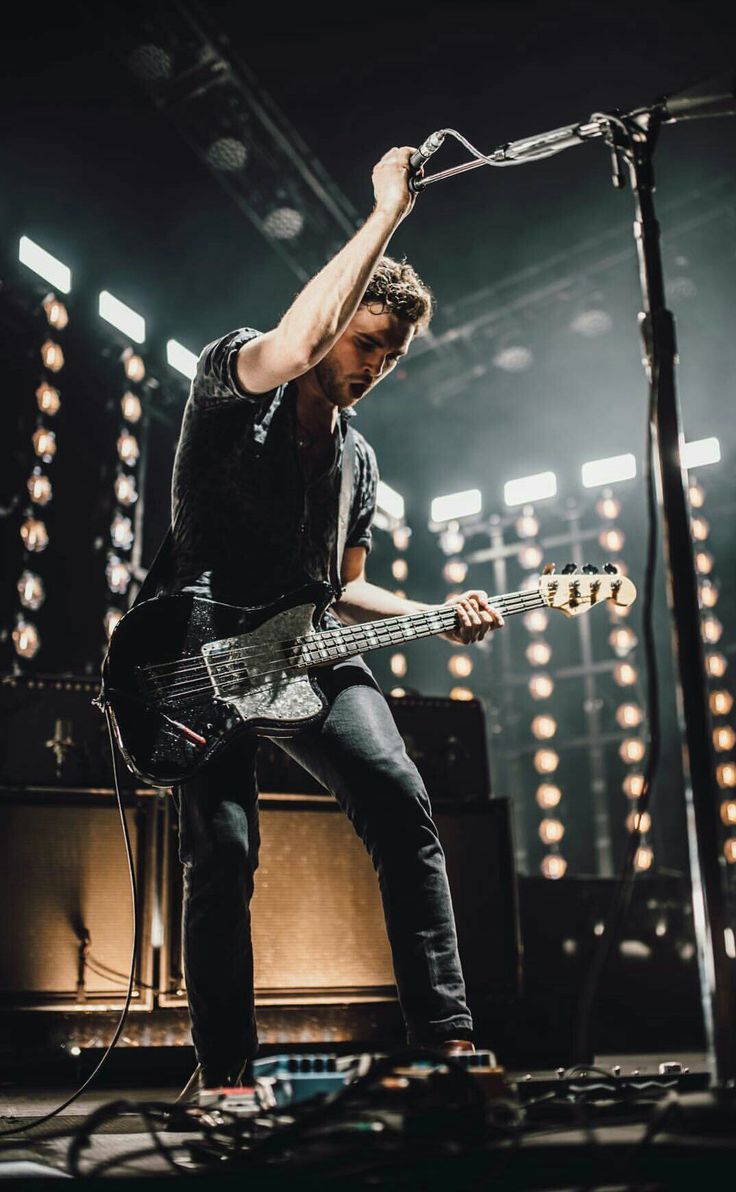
577	589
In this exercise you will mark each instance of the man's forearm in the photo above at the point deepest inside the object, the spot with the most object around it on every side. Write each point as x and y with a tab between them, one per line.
320	313
362	601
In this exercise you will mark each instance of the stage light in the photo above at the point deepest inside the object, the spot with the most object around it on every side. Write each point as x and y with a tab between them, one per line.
625	674
401	538
548	795
227	154
30	590
544	727
644	858
125	489
728	812
711	629
150	63
454	571
703	562
514	358
44	444
113	311
389	501
715	665
633	786
700	529
400	569
460	666
729	850
697	494
52	356
538	653
639	821
726	775
608	471
622	640
398	692
530	557
283	223
536	620
631	750
541	686
41	262
128	450
56	313
452	539
608	507
591	323
461	693
34	535
26	639
133	366
181	358
720	702
121	532
398	665
551	831
619	611
554	866
39	488
527	525
130	404
118	575
701	452
546	761
724	738
528	489
629	715
708	593
612	540
112	617
48	399
456	505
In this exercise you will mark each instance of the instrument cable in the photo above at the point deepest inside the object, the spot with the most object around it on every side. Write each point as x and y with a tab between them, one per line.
134	945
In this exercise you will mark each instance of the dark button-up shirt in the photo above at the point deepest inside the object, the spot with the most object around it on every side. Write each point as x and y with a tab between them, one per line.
247	527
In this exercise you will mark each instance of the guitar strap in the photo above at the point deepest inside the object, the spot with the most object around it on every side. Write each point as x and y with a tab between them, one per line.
347	481
162	570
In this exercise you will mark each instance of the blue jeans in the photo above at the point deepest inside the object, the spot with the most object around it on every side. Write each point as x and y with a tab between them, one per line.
356	752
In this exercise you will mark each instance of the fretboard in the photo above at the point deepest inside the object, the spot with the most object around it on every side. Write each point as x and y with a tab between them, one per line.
335	644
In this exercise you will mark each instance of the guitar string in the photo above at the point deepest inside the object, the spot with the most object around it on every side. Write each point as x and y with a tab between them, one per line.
333	635
184	689
309	646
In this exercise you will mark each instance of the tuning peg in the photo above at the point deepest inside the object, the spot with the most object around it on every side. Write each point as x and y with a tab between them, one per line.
610	568
589	569
569	569
548	568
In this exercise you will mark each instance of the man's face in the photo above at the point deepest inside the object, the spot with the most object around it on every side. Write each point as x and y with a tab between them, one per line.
367	351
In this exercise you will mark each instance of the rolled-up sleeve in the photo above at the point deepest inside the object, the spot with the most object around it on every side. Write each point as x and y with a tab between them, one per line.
216	381
364	496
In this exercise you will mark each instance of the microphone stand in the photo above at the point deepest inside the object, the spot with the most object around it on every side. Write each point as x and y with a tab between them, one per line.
631	139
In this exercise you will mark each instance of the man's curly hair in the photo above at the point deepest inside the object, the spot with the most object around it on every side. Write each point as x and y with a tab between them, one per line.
395	286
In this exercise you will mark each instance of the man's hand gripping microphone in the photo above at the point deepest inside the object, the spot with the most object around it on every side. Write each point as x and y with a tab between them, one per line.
420	156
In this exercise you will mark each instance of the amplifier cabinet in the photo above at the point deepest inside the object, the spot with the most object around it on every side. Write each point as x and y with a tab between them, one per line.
317	919
66	930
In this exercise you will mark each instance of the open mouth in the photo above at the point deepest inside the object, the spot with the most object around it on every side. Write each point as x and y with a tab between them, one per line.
357	389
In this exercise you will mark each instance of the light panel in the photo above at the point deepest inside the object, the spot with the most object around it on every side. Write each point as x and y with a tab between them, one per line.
121	316
700	452
456	505
41	262
528	489
181	358
389	501
609	470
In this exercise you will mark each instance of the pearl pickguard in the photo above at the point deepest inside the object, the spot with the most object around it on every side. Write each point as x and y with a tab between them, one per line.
254	675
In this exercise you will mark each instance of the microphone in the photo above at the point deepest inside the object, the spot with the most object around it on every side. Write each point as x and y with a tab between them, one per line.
711	97
422	154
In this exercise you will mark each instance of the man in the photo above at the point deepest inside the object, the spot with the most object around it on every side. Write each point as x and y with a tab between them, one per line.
256	486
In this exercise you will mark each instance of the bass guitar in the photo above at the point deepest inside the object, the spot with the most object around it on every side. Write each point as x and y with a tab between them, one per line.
183	675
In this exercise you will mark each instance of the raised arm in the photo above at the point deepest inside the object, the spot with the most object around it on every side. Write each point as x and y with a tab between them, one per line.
320	313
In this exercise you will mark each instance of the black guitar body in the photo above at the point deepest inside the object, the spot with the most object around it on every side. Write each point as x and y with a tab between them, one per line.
183	675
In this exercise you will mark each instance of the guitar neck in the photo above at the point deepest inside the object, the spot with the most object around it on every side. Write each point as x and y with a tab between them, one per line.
335	644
